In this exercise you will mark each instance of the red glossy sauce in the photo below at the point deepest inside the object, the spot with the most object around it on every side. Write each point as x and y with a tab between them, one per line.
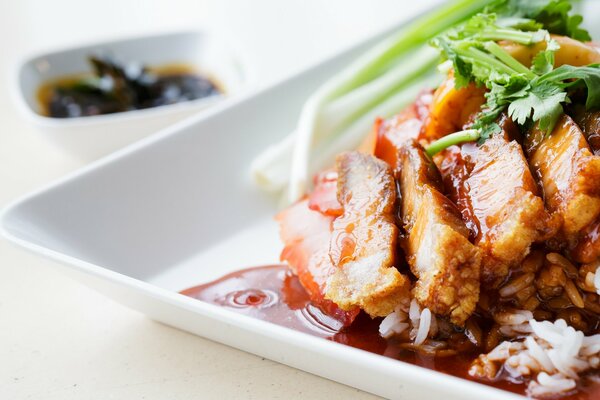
274	294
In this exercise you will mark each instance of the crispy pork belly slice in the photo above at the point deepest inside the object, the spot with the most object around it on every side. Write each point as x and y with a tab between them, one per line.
436	243
323	198
497	197
451	109
363	243
569	175
306	235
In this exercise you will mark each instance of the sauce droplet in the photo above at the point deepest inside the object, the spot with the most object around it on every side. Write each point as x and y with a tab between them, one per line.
251	298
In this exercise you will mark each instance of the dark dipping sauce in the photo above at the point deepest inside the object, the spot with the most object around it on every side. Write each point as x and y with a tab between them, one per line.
114	87
274	294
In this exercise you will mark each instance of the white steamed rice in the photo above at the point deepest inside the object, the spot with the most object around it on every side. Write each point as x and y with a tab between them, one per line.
552	354
419	322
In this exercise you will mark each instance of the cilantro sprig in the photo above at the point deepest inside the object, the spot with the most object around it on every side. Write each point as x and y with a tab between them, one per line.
529	95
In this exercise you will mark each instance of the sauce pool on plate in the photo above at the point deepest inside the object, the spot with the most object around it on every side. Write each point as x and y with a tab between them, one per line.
274	294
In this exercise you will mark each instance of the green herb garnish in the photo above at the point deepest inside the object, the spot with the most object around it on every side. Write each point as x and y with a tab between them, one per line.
529	95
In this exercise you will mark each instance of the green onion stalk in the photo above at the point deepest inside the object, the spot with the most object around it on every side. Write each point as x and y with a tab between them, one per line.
339	113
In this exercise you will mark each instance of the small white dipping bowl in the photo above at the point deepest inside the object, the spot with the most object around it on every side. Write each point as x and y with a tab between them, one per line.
91	137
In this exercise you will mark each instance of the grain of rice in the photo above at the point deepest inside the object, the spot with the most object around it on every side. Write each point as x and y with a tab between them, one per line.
591	349
515	330
493	338
517	284
559	303
597	280
420	323
538	353
392	325
574	294
483	368
515	317
514	323
550	385
550	281
504	350
569	268
589	281
524	294
531	303
556	381
473	332
425	323
550	332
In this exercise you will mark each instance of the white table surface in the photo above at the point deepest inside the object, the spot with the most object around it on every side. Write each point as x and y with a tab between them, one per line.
61	340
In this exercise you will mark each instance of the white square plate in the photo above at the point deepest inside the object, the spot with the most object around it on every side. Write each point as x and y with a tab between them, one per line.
178	209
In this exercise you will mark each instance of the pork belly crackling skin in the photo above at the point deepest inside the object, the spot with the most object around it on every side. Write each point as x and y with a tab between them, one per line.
569	174
364	238
437	243
498	198
306	234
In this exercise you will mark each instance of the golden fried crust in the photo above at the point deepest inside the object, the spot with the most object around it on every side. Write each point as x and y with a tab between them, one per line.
438	250
444	260
497	196
363	243
569	174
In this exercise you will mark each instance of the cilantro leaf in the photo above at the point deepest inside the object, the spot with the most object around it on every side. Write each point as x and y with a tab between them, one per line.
571	76
543	62
542	102
573	30
487	131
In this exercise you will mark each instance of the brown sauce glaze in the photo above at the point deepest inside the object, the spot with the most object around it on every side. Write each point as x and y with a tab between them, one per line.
274	294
